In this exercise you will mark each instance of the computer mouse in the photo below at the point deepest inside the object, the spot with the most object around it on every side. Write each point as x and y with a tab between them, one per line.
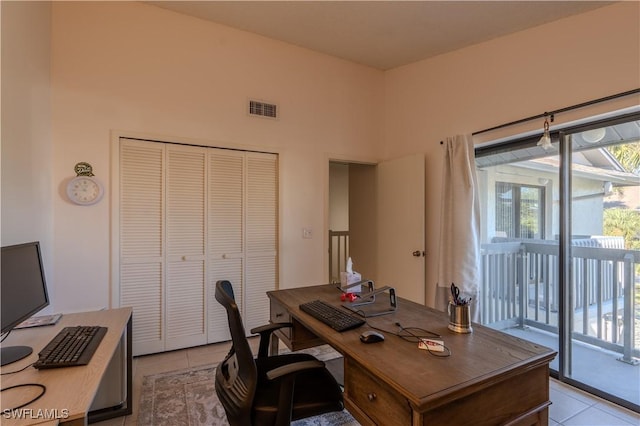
371	336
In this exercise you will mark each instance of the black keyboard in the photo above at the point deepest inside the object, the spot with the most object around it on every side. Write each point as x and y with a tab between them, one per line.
72	346
332	316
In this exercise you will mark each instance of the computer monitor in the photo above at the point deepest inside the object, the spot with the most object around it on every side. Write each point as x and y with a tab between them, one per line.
23	292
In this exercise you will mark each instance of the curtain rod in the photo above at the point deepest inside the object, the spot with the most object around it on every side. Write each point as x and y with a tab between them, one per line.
551	113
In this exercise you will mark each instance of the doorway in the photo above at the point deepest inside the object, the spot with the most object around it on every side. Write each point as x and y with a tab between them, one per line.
352	219
385	207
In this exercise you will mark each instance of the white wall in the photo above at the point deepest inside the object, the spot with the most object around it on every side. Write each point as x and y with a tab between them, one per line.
338	197
27	191
138	68
363	219
552	66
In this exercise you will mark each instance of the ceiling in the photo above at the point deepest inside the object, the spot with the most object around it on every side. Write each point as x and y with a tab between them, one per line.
381	34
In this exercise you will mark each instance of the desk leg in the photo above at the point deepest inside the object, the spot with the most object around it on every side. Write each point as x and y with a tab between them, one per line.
129	408
273	345
126	408
417	419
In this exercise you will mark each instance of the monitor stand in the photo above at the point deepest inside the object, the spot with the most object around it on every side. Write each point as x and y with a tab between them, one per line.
367	306
14	353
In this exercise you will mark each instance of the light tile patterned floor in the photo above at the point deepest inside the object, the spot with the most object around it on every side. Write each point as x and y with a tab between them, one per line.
571	407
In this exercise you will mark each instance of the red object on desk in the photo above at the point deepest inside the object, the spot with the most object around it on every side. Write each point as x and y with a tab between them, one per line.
348	297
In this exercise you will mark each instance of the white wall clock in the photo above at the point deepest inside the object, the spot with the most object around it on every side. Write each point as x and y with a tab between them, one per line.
84	189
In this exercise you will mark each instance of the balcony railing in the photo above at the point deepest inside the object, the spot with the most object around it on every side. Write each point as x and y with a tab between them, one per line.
338	254
521	287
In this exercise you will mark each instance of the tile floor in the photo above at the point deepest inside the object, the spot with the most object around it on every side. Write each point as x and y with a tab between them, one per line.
571	407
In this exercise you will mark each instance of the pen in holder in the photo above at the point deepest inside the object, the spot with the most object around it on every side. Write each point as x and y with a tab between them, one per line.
459	312
460	318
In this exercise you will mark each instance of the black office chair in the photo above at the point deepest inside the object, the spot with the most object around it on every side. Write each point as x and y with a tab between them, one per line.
269	390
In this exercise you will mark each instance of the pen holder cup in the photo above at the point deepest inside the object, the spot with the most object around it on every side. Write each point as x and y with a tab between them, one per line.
459	318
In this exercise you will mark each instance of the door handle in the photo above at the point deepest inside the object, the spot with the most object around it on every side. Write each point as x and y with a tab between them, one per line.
418	253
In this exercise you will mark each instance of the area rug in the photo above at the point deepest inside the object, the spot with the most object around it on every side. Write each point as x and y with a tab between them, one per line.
187	398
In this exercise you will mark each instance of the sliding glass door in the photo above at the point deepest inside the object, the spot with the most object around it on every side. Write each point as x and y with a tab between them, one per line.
520	192
603	289
560	250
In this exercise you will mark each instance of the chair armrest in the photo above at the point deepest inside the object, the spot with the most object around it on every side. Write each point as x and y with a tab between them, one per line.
286	375
294	368
265	335
270	327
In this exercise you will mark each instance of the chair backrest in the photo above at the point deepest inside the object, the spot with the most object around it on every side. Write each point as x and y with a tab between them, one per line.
236	376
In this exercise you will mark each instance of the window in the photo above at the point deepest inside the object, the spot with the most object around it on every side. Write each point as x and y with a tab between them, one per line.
519	210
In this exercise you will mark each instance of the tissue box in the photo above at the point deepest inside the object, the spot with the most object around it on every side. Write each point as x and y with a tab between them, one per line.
347	278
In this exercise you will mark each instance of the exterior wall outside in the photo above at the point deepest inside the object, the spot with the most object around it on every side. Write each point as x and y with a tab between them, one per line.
587	207
588	203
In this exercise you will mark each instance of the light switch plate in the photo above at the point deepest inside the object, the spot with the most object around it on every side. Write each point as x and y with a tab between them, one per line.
307	233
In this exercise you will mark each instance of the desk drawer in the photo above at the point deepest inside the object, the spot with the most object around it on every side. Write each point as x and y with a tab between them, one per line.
278	313
296	337
376	400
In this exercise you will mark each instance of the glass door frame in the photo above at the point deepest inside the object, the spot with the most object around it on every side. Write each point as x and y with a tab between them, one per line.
561	139
565	297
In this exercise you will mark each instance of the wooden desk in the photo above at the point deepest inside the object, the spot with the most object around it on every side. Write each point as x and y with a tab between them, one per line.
69	391
490	378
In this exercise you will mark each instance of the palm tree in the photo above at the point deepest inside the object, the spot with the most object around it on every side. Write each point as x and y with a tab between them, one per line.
624	223
628	155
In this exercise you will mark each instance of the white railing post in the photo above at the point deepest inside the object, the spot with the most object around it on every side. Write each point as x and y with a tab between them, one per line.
338	253
521	264
628	316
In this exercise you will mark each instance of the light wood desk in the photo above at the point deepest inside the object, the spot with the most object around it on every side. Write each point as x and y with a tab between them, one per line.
70	391
490	378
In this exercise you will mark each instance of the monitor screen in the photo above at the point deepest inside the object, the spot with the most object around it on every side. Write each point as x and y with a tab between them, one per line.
23	291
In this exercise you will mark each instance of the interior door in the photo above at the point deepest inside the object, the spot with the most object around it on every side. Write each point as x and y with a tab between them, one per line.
400	226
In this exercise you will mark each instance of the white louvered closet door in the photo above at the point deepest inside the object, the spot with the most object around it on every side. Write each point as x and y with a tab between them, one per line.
261	236
186	230
188	217
226	233
141	236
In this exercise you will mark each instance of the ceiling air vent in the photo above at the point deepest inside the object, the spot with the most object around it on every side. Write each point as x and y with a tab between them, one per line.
263	109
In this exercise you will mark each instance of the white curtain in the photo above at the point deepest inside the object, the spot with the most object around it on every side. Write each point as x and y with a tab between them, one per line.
459	247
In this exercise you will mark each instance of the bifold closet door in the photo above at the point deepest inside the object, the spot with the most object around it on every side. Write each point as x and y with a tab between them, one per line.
261	236
188	217
141	241
226	234
162	243
185	242
243	234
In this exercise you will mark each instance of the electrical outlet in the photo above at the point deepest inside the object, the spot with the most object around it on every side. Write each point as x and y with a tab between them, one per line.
307	233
